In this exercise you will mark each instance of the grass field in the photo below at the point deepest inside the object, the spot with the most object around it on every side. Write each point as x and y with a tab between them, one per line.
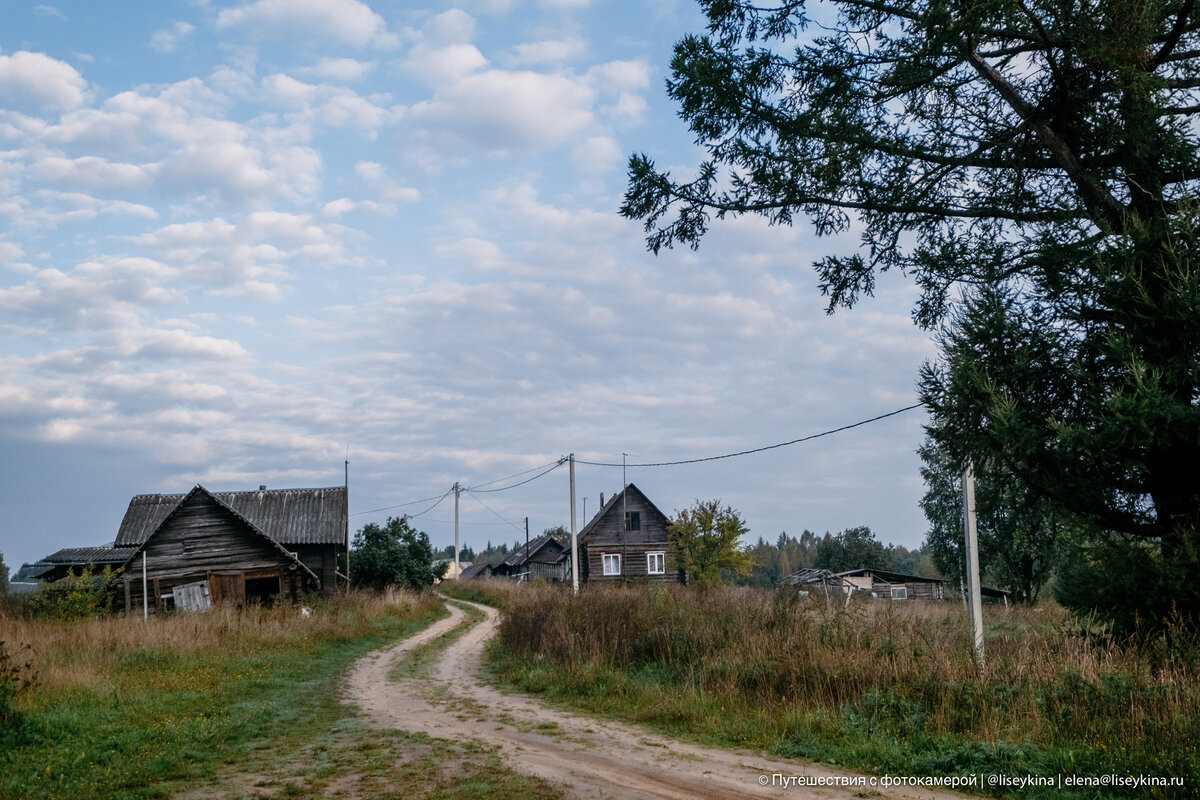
885	687
229	703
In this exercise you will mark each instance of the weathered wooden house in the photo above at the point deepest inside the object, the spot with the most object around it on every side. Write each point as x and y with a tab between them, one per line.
537	559
235	547
627	540
878	583
310	524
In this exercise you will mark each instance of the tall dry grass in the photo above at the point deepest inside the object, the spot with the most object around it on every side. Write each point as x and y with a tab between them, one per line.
773	666
93	653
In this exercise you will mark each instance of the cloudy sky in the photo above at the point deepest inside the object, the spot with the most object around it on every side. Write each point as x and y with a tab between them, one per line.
239	240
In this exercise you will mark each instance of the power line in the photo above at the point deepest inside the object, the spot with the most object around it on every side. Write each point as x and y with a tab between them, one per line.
757	449
476	488
432	507
402	505
494	511
555	466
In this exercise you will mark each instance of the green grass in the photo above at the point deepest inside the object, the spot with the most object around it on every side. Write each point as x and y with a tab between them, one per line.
225	704
419	661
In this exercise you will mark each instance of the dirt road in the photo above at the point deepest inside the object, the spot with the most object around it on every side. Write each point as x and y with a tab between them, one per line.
583	756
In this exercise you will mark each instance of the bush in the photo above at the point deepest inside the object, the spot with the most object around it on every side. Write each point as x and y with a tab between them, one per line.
16	676
77	596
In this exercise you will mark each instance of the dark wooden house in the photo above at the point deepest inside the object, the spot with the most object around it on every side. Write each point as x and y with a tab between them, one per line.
207	552
537	559
627	540
310	524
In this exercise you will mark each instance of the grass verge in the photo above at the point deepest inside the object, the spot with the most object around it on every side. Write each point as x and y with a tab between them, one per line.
229	704
884	687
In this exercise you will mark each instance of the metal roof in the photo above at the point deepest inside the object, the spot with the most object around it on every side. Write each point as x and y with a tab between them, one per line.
286	516
91	555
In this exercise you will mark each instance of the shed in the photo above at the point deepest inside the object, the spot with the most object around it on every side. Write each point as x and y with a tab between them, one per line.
58	564
537	559
204	540
309	523
627	539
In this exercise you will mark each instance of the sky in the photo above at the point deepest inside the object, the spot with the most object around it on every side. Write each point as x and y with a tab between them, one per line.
244	242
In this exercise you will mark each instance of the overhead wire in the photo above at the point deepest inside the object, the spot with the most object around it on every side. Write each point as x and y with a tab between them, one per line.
756	449
556	465
552	464
497	513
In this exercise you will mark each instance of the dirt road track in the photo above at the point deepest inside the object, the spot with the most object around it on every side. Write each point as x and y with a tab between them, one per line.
583	756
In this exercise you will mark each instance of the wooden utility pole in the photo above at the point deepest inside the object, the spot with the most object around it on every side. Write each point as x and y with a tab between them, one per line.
347	478
975	598
528	566
574	537
145	597
457	489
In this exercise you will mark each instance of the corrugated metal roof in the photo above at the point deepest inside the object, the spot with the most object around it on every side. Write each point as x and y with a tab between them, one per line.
91	555
287	516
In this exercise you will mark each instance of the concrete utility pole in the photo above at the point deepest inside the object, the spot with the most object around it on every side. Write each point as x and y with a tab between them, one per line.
975	599
574	537
457	489
347	522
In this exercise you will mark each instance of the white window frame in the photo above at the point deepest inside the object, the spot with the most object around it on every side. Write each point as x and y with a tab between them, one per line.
608	560
899	592
656	563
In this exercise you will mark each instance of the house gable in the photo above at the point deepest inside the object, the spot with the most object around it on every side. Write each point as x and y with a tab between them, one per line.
641	550
202	539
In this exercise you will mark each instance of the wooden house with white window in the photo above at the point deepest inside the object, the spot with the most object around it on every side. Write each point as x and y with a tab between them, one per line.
627	540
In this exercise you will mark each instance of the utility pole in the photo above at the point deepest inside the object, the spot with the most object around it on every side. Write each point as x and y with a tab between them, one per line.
457	489
574	537
528	566
975	600
347	521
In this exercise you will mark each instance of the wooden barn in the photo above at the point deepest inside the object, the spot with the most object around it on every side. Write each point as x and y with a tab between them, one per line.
627	540
309	524
203	551
537	559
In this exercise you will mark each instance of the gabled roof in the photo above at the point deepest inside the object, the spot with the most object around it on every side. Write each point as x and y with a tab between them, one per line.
254	529
525	552
612	503
286	516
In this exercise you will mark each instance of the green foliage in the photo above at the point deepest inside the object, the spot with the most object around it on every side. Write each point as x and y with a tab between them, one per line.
393	555
3	575
705	539
1033	167
1021	534
854	548
75	597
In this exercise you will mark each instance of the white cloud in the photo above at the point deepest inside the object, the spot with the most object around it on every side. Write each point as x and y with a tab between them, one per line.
346	21
497	109
346	70
550	51
90	172
41	82
166	40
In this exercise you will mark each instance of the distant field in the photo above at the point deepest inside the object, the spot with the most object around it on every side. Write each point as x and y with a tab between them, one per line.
226	703
886	687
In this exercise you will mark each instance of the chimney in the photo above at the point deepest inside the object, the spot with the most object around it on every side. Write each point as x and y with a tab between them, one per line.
262	487
602	499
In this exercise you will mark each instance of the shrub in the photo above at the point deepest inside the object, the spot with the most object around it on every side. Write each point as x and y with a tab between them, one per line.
77	596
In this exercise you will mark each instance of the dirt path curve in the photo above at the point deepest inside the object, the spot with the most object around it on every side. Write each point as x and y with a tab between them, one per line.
582	756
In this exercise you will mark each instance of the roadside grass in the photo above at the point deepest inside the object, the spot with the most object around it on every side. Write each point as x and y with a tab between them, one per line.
121	708
889	688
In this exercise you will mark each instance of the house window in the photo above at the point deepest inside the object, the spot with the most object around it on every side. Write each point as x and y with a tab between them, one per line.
899	592
656	563
612	563
633	521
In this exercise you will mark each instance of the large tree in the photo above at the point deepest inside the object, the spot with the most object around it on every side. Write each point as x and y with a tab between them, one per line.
1033	160
394	554
706	540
